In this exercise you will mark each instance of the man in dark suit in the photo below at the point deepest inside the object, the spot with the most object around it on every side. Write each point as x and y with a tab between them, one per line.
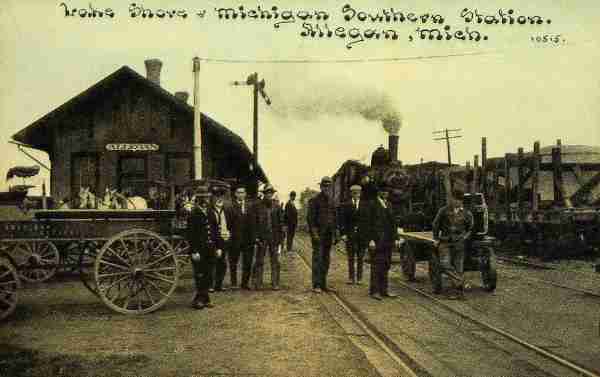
201	234
354	228
291	220
383	236
269	229
322	225
242	238
223	236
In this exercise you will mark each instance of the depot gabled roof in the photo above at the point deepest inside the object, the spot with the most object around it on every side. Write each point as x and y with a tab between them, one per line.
37	133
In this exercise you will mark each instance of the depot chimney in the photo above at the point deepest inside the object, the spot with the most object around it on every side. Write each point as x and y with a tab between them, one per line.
153	67
182	96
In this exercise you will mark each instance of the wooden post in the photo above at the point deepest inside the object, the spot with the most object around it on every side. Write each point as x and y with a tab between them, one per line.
197	131
484	171
535	177
469	180
475	187
520	184
507	185
44	203
557	176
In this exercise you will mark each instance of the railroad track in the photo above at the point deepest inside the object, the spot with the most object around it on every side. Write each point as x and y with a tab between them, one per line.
388	345
544	281
403	362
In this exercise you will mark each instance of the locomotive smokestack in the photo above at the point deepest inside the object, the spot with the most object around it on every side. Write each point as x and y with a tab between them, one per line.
153	67
393	145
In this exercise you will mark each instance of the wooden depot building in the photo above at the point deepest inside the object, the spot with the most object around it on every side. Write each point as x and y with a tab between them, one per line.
126	131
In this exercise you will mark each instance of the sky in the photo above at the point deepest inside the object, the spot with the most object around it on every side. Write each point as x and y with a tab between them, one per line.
326	98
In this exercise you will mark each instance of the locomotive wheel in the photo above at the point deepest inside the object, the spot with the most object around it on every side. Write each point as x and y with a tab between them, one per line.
136	272
88	251
435	272
489	276
36	261
181	247
409	263
9	285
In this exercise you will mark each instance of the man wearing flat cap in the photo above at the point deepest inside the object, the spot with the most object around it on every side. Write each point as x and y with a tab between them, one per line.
201	233
322	225
383	235
269	232
354	228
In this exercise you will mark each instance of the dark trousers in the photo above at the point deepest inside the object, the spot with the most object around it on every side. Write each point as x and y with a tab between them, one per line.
356	253
219	268
247	255
233	257
321	259
452	259
261	250
290	236
381	261
202	278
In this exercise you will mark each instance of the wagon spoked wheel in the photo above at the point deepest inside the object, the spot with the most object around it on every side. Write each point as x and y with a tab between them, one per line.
36	261
489	276
136	272
9	285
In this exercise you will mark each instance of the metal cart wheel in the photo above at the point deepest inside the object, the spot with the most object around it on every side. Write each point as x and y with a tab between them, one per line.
489	276
435	271
36	261
409	263
9	285
136	272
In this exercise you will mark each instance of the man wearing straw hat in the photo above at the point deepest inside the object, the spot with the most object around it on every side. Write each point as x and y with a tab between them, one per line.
201	234
322	225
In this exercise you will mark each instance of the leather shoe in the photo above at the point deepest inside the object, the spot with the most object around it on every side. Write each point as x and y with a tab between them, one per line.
389	295
198	305
317	290
377	296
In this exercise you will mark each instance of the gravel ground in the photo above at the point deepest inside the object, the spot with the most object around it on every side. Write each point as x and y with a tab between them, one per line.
60	329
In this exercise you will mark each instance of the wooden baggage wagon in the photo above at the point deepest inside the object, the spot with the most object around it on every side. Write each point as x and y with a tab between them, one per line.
130	259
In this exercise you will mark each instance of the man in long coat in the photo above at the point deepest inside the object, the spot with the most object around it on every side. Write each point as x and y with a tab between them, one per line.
242	224
354	228
201	234
220	216
322	226
383	237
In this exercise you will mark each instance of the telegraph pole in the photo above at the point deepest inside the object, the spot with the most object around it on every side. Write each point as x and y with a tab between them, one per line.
257	87
447	137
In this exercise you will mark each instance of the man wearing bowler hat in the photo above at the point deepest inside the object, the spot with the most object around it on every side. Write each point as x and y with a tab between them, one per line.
269	229
383	235
322	225
354	227
201	234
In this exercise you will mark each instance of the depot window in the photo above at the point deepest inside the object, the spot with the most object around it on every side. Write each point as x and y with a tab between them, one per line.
132	175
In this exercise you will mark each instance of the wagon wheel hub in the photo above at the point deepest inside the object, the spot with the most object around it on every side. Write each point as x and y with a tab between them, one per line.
35	259
137	273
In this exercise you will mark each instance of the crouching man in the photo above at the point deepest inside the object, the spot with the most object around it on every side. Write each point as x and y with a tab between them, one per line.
452	226
201	234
